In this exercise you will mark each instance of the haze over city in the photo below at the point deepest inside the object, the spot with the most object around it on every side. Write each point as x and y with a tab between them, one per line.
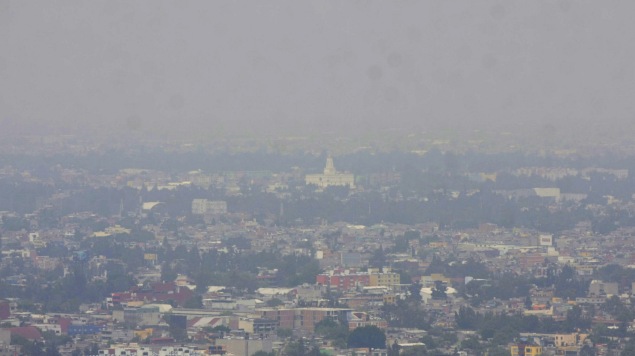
317	178
199	69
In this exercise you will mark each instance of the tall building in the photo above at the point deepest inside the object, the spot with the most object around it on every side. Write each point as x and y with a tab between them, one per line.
330	177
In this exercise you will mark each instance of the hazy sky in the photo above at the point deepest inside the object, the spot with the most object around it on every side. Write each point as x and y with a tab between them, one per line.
204	68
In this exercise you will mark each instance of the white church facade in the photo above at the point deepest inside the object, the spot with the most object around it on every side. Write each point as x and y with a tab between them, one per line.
331	177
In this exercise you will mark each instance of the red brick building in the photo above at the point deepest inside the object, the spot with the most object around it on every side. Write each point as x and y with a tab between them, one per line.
5	309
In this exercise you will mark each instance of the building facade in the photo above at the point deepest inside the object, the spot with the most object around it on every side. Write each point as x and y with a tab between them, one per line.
330	177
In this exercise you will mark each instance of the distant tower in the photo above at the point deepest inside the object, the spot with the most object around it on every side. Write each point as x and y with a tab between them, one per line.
330	167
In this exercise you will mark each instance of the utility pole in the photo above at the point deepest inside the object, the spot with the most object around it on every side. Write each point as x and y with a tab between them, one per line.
246	344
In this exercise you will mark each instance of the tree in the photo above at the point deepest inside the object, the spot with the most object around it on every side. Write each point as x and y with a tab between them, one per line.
414	351
196	302
615	307
402	243
587	350
439	291
498	351
221	328
93	350
315	351
629	349
28	347
528	302
263	353
284	332
274	302
295	348
394	349
54	341
406	314
471	343
176	331
167	273
576	320
567	286
414	293
378	259
332	330
467	318
367	336
52	351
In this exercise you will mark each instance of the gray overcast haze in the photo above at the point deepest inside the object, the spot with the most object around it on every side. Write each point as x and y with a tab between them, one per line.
195	69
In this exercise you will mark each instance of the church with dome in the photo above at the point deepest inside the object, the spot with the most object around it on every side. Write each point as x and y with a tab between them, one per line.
330	177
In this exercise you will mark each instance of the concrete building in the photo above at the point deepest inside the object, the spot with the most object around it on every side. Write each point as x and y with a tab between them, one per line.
565	340
599	288
210	207
385	278
360	319
5	336
138	316
240	347
303	318
257	326
346	280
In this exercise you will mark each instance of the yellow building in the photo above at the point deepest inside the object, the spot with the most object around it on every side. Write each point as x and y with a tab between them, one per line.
390	299
384	279
526	350
144	333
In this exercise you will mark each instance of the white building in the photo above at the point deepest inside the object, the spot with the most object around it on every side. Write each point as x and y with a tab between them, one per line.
331	177
212	207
